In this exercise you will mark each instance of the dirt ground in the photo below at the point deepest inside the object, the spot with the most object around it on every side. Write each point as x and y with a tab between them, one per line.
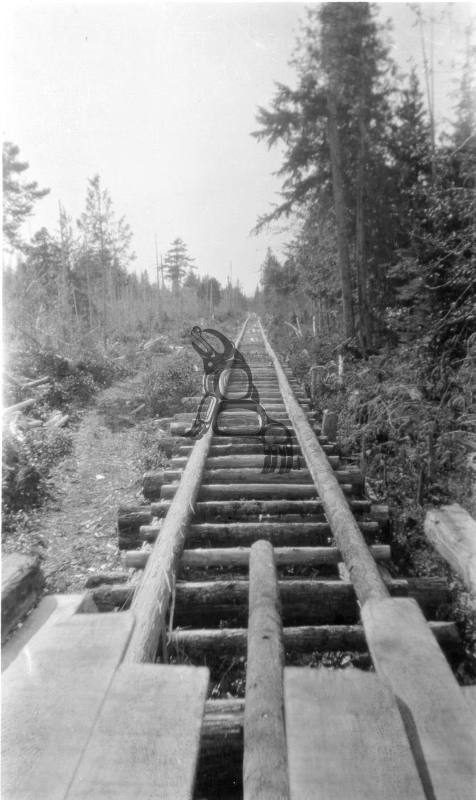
75	530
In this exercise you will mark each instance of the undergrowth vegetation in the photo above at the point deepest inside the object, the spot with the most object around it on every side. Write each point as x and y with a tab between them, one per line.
26	467
165	385
406	417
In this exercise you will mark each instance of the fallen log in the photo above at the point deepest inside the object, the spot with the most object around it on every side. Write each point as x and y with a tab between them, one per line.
22	585
19	407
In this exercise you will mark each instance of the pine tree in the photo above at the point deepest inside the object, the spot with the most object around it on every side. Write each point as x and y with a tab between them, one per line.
177	262
105	253
333	128
19	196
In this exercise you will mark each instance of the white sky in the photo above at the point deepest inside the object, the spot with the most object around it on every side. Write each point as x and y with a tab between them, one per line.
160	100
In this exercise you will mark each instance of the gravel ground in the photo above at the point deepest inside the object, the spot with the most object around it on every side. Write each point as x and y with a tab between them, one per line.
75	531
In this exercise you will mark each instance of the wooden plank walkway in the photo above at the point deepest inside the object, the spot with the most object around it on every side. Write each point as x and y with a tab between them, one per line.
78	724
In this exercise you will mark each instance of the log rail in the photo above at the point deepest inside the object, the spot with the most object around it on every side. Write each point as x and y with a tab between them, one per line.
253	573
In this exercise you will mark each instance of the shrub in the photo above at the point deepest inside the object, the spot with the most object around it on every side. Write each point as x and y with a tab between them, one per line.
177	377
72	390
27	462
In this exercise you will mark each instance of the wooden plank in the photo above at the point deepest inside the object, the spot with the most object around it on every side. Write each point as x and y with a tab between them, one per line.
51	697
469	695
362	567
265	774
452	531
146	740
22	584
345	738
438	723
51	609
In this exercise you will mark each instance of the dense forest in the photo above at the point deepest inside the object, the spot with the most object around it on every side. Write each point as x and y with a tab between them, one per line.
385	210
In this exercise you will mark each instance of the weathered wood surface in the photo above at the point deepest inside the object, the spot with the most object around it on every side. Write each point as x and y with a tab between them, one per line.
51	609
22	406
52	694
362	568
219	511
145	742
248	491
305	602
286	532
264	763
329	425
197	643
239	557
253	461
249	507
439	726
228	476
469	695
22	585
452	531
151	600
345	738
242	447
153	482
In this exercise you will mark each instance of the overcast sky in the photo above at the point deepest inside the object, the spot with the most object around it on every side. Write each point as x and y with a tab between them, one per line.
160	100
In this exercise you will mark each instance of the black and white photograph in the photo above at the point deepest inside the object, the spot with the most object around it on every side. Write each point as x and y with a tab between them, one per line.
238	400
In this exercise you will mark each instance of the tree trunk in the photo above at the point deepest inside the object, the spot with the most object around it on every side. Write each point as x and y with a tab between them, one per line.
340	212
360	255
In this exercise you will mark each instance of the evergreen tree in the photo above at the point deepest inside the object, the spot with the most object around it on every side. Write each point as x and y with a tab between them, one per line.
177	262
105	253
333	127
209	289
410	151
19	196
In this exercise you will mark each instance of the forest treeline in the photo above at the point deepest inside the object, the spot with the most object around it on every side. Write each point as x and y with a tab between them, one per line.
75	290
384	211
